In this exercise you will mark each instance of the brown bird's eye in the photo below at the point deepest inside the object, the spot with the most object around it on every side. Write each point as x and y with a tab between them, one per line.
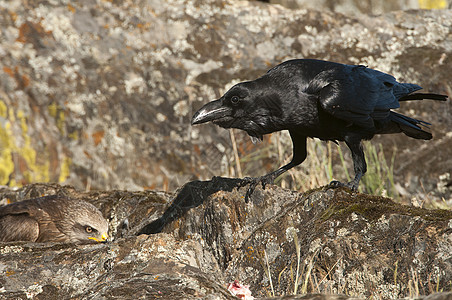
89	229
235	99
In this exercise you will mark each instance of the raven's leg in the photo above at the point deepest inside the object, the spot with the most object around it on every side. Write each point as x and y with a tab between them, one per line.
299	155
359	164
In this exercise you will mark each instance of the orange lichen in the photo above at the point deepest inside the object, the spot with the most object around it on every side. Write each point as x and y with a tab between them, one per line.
98	136
29	31
71	8
8	71
22	80
25	80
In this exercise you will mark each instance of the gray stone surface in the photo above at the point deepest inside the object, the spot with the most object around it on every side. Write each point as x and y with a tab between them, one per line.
205	237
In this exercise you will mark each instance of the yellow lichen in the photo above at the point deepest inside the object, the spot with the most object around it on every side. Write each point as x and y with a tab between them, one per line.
73	135
23	121
432	4
11	115
37	169
65	169
53	110
5	136
60	122
6	166
58	114
37	172
6	159
3	109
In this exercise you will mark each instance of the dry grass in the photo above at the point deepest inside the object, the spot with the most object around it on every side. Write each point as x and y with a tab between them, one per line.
325	162
308	272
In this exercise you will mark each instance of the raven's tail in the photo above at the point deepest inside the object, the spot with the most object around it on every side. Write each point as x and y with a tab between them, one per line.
411	127
421	96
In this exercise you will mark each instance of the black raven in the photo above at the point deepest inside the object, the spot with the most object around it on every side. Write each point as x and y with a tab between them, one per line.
315	98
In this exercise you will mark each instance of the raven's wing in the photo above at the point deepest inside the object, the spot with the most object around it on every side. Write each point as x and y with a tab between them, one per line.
357	94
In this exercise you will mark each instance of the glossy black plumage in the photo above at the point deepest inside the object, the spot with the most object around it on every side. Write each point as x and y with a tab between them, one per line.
314	98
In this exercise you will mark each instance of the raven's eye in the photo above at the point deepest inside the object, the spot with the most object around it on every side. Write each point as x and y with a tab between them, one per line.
235	99
88	229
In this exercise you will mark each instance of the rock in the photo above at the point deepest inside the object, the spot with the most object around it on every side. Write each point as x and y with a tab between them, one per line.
206	236
142	267
369	7
99	94
154	266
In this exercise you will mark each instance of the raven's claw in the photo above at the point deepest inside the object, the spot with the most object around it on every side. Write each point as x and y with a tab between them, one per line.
336	184
253	182
251	189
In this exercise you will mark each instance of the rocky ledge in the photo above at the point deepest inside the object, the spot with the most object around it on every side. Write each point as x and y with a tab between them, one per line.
192	244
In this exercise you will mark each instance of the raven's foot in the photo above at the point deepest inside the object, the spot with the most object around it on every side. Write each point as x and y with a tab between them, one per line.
336	184
253	182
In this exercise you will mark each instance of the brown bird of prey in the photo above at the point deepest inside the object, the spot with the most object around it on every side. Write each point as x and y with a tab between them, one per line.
52	219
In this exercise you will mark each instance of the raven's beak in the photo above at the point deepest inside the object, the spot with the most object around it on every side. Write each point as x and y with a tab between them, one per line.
211	111
103	238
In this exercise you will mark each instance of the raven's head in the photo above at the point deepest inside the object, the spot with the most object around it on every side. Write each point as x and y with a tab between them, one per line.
247	106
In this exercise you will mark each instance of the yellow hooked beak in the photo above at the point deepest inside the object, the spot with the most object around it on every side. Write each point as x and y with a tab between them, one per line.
102	239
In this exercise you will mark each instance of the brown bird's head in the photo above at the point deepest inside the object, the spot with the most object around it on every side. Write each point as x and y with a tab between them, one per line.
83	222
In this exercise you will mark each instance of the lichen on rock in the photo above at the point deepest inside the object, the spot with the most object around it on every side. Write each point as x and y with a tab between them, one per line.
194	243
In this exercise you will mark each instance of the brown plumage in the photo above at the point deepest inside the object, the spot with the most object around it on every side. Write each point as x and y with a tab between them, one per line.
52	219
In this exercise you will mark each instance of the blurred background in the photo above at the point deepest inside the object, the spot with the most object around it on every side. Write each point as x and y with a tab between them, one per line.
99	94
370	7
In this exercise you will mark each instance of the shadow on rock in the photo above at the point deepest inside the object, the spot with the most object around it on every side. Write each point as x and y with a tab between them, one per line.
191	195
